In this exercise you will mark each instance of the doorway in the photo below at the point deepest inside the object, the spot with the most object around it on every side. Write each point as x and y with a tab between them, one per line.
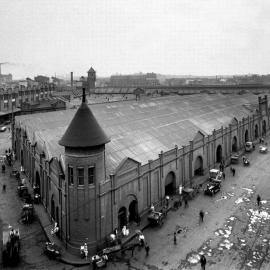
170	184
219	154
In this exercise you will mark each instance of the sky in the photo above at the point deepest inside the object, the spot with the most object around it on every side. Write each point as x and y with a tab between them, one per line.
180	37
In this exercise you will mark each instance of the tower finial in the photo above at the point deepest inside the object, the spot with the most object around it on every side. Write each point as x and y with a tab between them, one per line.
83	95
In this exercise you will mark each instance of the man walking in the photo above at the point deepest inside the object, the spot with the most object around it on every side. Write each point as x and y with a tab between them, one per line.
147	248
259	200
201	216
203	262
174	238
186	202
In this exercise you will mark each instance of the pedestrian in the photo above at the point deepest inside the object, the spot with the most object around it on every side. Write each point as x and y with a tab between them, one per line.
147	248
201	215
224	175
259	200
186	202
203	262
3	168
4	188
174	238
141	240
233	171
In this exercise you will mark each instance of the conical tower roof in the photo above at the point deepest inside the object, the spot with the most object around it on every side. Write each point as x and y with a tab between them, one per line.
91	70
84	130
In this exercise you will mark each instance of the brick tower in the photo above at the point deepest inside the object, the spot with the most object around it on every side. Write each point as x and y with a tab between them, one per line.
84	142
91	80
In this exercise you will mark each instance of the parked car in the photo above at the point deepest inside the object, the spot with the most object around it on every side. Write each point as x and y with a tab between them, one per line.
3	129
234	159
263	149
212	188
249	146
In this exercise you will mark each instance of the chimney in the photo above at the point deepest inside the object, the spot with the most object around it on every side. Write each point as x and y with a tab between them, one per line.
71	79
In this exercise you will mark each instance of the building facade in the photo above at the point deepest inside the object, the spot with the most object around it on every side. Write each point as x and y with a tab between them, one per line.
19	94
88	206
91	80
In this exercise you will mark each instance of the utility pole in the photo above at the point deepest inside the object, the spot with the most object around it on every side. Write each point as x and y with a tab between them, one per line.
12	123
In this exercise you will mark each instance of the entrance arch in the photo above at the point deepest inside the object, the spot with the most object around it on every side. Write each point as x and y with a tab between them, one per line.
170	184
133	211
122	217
38	181
219	154
246	136
198	166
256	133
234	144
52	207
264	128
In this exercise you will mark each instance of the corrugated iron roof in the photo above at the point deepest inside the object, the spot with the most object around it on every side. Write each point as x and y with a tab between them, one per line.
141	129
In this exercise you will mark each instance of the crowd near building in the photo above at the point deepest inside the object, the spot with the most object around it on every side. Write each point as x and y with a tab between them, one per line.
101	167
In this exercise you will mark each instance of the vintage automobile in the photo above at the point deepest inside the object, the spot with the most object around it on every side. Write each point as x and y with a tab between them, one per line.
215	175
212	187
52	250
22	190
156	218
235	159
263	149
249	146
27	214
100	260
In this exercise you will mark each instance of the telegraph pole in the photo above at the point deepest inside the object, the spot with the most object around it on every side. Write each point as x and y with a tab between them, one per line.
12	123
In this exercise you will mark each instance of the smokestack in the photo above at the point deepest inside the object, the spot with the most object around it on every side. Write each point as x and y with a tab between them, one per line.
71	79
83	95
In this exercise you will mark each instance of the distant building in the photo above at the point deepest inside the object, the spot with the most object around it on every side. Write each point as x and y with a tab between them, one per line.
136	80
42	106
5	78
91	80
42	79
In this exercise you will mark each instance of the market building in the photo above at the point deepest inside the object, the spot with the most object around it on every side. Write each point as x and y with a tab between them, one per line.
99	167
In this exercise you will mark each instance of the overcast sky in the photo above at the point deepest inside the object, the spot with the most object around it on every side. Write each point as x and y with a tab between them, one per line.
203	37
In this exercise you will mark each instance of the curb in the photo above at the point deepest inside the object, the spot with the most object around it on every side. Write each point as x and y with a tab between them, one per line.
63	259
